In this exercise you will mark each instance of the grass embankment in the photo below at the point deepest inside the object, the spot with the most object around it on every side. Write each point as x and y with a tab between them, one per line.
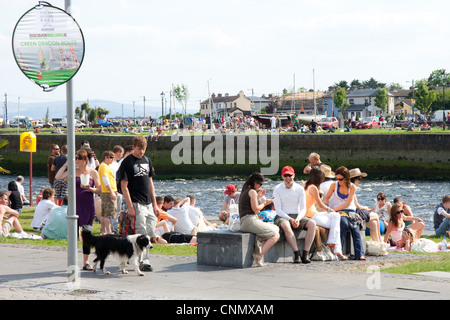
26	217
430	262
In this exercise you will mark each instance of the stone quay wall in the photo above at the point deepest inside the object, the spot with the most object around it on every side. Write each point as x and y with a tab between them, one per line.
403	156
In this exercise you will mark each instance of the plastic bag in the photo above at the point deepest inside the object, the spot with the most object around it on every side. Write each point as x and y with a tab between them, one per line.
234	223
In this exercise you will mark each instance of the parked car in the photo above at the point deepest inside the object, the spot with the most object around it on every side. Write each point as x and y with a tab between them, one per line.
78	123
328	122
16	123
104	123
59	122
368	123
38	124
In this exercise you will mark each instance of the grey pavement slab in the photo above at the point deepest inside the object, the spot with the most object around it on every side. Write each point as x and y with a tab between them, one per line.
40	273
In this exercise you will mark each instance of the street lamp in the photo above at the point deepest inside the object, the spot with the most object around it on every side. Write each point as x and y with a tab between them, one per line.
162	105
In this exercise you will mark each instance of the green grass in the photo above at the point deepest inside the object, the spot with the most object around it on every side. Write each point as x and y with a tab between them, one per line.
26	217
437	262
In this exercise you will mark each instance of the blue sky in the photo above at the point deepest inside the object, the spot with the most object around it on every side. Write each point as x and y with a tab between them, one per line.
140	48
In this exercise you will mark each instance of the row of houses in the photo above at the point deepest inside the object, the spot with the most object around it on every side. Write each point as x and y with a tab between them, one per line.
361	103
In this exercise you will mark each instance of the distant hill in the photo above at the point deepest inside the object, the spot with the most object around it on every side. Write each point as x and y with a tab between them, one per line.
58	109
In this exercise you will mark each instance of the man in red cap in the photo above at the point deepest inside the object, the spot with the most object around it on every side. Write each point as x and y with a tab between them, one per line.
289	200
231	193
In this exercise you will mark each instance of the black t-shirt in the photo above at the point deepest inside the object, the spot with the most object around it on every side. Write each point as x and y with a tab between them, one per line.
137	172
59	162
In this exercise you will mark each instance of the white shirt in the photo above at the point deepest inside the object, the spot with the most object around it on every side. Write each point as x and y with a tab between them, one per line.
42	212
184	224
195	214
289	201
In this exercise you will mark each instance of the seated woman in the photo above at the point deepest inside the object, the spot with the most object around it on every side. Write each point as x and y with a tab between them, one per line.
397	225
340	197
328	218
266	234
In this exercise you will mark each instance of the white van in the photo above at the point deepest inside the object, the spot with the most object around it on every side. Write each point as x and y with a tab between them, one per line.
59	122
438	115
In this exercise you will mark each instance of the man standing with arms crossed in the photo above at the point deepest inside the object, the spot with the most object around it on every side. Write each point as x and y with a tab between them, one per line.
136	182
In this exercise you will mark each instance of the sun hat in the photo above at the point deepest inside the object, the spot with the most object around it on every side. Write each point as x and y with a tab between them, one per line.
85	145
229	189
357	173
287	170
328	172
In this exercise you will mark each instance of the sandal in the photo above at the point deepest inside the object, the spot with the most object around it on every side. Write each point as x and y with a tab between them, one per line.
362	258
87	267
258	260
341	257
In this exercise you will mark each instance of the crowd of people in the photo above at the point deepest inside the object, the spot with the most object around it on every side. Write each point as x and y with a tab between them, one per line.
118	191
326	200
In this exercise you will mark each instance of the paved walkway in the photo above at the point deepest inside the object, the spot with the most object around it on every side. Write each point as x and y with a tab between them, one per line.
40	273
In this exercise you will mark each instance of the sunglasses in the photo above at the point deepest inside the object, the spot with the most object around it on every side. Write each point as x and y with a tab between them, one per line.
399	212
79	158
380	199
340	179
111	157
287	175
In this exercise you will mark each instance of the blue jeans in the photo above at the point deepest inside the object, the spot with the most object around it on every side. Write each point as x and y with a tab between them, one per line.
443	228
357	243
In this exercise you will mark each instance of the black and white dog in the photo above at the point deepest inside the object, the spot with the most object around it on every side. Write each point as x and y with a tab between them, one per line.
129	249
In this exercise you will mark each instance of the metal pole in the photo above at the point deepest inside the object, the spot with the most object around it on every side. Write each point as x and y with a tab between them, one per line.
72	234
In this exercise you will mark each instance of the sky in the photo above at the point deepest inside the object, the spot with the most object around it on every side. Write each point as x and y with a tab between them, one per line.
139	48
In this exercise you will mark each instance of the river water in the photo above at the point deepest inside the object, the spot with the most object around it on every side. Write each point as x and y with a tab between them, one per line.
422	196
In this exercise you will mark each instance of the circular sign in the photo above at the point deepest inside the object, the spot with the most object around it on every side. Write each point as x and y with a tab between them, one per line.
48	46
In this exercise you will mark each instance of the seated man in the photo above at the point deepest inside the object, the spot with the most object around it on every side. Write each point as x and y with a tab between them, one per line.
289	198
197	218
7	223
56	226
180	211
441	217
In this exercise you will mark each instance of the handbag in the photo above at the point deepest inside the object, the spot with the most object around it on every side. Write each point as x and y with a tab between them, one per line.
374	248
323	255
127	225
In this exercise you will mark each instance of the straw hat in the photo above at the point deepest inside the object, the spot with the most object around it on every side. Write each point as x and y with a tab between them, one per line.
357	173
327	170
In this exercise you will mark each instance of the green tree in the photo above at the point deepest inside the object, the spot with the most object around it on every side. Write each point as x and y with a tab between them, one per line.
340	99
424	98
181	93
436	78
382	99
373	84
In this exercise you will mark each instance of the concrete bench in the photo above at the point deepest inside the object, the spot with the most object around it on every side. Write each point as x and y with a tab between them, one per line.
224	248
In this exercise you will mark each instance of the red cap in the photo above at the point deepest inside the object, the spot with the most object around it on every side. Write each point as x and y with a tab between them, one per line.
230	189
287	170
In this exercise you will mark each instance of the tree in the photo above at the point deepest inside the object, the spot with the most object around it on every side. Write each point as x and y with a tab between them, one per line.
356	83
373	84
340	99
395	86
342	84
435	78
181	93
382	99
424	98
